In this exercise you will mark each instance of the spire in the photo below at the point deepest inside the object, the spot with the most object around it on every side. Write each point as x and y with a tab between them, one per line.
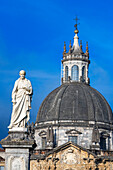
81	46
64	49
64	46
87	50
76	44
70	47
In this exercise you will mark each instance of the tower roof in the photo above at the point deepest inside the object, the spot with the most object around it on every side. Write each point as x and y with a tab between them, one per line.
75	49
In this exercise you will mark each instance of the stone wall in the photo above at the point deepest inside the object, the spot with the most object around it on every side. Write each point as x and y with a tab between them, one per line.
84	136
60	137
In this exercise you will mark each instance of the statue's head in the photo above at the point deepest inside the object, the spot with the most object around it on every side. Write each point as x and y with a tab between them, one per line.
22	74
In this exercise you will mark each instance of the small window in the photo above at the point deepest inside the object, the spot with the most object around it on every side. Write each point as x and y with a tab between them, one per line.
102	143
72	139
43	142
83	73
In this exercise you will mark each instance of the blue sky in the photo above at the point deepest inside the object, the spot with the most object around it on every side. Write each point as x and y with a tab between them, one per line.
32	34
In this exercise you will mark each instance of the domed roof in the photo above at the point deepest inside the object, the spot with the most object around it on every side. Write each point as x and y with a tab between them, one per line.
74	102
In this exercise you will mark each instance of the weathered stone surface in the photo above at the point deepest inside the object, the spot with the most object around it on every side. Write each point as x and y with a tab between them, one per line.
70	156
17	159
17	146
84	136
75	102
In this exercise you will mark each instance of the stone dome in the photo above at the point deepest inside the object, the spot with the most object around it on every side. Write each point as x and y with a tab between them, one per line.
74	102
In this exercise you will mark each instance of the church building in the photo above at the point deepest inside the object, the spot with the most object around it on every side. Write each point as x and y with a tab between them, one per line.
74	124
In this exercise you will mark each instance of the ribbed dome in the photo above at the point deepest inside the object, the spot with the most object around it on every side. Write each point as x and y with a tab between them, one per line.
75	102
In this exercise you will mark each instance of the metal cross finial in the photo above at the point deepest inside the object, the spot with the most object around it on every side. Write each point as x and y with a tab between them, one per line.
76	19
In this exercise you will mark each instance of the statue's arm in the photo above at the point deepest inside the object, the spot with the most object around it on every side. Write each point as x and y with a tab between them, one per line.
29	89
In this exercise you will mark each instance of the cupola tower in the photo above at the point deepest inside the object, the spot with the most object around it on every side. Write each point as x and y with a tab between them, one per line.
75	62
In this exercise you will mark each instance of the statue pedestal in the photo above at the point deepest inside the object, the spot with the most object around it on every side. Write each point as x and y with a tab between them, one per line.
18	129
17	148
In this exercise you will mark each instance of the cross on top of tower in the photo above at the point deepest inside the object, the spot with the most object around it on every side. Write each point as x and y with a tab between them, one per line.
76	19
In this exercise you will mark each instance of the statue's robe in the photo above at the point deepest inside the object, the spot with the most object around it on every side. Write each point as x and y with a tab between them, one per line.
21	99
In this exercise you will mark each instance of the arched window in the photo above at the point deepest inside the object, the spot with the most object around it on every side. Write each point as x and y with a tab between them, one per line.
66	73
75	73
83	73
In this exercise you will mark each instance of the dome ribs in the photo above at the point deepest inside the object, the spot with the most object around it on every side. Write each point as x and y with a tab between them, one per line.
84	111
74	103
61	101
106	107
90	106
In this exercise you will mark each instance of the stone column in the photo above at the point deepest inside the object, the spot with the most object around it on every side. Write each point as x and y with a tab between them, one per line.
17	148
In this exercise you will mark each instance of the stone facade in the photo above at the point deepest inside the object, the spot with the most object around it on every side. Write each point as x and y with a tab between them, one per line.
70	157
84	136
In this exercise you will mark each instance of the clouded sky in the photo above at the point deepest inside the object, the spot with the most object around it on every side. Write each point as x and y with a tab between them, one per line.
32	34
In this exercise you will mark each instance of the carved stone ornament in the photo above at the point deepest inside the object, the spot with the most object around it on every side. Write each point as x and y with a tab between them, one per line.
16	163
70	158
42	133
73	132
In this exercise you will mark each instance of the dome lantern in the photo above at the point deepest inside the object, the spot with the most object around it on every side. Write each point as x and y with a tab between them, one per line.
75	63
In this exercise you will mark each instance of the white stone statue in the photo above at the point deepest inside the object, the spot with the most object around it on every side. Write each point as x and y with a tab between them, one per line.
21	98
